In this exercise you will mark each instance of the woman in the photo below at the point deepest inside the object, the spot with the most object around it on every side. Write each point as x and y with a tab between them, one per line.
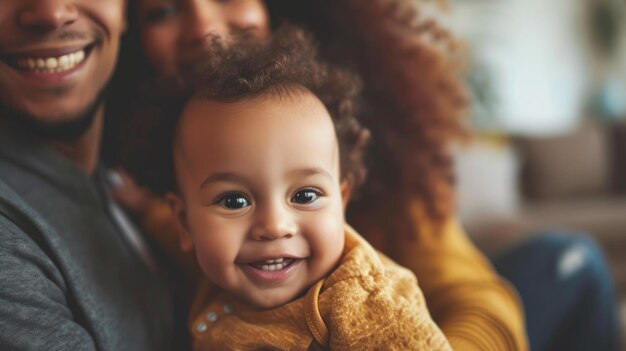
414	106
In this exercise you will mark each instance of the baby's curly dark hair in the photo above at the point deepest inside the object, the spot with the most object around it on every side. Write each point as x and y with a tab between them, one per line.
281	65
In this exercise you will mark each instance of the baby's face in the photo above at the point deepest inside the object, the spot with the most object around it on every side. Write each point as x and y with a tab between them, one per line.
260	194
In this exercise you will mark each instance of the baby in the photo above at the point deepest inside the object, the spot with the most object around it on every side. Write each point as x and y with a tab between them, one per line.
258	154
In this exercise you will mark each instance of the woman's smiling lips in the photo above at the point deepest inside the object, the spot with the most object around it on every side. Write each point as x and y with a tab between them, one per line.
273	270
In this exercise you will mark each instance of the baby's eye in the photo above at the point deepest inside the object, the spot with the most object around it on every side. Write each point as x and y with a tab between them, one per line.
160	13
306	196
233	201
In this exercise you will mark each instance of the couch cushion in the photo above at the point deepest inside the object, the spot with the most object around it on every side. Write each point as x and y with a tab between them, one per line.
566	166
619	157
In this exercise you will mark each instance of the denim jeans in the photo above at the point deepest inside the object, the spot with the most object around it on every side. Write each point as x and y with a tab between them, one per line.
567	292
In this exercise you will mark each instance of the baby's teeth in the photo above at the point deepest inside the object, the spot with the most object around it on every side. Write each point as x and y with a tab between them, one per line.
277	260
273	267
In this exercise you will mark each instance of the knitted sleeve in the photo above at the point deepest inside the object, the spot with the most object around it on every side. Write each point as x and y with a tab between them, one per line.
475	308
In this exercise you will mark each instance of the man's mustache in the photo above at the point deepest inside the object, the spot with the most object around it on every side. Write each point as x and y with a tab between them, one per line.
64	35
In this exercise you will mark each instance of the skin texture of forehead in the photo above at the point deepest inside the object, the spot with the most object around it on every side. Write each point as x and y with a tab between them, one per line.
295	106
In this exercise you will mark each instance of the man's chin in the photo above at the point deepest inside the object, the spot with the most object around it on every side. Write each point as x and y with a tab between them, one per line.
63	129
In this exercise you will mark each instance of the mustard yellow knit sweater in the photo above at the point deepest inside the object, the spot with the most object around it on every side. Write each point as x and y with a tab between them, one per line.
367	303
476	309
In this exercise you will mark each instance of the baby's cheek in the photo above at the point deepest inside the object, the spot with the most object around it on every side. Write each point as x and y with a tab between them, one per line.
334	223
329	239
209	246
206	257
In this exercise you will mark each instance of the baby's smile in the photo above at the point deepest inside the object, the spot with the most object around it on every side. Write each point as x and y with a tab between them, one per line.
272	271
273	264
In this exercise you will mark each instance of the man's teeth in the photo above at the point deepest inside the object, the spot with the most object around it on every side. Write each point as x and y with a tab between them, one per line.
52	64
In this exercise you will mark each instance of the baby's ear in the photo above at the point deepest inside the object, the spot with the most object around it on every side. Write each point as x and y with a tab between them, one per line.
346	191
177	205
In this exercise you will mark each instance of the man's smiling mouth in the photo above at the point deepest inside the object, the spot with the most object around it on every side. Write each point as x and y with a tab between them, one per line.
48	63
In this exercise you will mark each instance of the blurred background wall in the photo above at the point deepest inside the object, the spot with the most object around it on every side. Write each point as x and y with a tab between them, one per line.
548	84
548	64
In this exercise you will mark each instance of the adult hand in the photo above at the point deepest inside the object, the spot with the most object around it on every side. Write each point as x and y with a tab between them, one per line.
125	191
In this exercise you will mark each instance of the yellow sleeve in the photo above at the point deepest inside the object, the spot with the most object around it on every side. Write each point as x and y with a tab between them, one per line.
473	306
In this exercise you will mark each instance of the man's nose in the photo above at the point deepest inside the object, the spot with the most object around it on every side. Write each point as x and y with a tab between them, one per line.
272	222
47	15
204	22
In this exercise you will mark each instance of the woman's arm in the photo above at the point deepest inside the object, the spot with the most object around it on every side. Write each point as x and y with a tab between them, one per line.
475	308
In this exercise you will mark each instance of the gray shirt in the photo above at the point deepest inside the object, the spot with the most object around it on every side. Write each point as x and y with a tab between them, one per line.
69	279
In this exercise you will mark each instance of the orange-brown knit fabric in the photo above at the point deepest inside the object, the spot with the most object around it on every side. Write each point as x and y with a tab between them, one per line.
367	303
476	310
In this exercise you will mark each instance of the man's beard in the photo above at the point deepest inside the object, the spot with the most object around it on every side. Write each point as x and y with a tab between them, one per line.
64	131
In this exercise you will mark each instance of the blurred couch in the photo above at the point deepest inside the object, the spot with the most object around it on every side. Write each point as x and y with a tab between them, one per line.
510	188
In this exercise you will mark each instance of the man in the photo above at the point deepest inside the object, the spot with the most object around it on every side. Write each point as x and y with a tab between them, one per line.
73	273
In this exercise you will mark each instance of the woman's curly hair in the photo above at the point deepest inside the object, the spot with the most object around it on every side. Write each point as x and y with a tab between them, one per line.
414	100
283	65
